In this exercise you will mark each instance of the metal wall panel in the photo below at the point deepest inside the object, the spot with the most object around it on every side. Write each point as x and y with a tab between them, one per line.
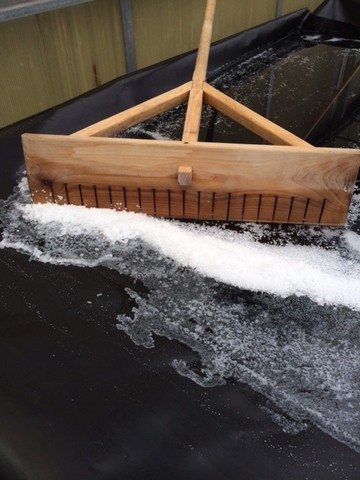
292	5
10	9
176	24
49	58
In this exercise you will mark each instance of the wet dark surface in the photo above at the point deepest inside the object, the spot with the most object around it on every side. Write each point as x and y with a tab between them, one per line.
315	108
80	399
344	11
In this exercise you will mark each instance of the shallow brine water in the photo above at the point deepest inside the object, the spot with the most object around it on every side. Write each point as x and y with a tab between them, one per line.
275	307
308	91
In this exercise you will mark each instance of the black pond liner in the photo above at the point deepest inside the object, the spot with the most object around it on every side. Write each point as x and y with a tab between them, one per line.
80	399
344	11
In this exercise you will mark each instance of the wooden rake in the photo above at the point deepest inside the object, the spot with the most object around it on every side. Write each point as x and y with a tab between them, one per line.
289	181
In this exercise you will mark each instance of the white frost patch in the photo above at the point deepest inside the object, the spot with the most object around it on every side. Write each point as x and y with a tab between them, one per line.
353	241
233	258
340	39
312	38
320	38
153	134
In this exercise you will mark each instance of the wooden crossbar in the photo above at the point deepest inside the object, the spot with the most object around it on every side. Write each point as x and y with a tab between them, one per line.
251	120
298	184
140	113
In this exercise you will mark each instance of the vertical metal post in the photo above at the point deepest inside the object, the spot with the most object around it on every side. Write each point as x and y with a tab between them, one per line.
128	35
279	8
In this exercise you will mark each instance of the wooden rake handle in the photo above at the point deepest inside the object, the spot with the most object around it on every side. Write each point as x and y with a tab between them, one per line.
195	102
202	58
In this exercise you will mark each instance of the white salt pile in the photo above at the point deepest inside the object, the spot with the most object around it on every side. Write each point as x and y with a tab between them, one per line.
236	259
256	304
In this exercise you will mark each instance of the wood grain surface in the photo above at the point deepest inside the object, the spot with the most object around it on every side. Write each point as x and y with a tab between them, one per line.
260	183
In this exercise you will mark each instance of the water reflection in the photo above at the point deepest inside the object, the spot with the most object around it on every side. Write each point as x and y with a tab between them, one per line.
309	92
312	90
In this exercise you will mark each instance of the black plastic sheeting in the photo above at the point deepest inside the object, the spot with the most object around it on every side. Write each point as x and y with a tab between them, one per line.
78	399
347	11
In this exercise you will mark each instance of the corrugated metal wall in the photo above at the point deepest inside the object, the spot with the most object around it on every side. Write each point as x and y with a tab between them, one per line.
49	58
